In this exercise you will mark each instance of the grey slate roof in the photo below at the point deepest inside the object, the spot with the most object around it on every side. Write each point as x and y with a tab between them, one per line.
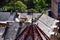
12	31
4	16
11	18
1	32
7	17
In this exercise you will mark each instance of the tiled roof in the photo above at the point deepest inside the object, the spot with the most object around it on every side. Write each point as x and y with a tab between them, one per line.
12	31
48	20
4	16
40	30
12	16
47	24
2	31
32	32
24	15
7	17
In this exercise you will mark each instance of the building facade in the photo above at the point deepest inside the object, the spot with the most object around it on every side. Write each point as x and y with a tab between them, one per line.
55	8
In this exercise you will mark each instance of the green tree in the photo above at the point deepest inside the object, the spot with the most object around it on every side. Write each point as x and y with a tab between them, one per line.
15	4
40	4
29	3
20	6
8	8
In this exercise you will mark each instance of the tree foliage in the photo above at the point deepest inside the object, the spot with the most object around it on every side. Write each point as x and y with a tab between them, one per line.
13	5
20	6
23	5
39	4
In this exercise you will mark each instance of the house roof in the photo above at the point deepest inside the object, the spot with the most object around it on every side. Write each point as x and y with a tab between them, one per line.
44	25
48	20
4	16
12	16
32	32
47	24
41	29
11	32
7	17
2	31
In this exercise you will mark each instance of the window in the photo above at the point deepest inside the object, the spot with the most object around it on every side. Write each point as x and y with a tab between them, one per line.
59	8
